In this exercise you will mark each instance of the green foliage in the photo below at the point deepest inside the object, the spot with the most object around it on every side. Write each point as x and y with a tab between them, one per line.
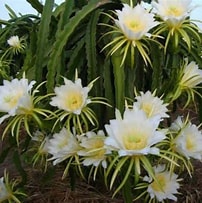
76	36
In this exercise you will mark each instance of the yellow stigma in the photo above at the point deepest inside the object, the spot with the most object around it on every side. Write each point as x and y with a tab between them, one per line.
134	25
98	143
135	142
148	108
160	185
174	11
189	143
74	101
12	101
63	144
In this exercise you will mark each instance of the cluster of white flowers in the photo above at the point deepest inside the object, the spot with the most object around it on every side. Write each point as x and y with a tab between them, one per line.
135	134
135	28
89	146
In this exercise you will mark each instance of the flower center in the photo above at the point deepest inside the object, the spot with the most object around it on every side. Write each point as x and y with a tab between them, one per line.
160	185
173	11
189	143
99	153
98	143
135	142
12	100
62	144
74	101
134	25
148	108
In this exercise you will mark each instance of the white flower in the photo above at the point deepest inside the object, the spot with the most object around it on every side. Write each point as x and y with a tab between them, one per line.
14	41
71	97
131	24
62	146
135	134
15	98
191	76
173	11
94	150
189	139
166	186
4	194
151	105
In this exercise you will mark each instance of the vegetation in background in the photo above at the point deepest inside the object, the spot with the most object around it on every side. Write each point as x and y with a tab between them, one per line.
86	85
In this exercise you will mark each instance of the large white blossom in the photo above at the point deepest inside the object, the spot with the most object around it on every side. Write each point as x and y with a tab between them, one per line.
189	139
71	96
166	187
135	134
135	22
172	11
62	146
151	105
94	150
15	97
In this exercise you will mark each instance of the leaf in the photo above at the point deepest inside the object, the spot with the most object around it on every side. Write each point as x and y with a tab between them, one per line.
42	41
12	14
108	81
119	80
125	182
117	170
63	38
90	39
29	60
75	61
157	64
68	9
36	5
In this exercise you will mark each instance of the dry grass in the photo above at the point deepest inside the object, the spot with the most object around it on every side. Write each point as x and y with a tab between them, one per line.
56	190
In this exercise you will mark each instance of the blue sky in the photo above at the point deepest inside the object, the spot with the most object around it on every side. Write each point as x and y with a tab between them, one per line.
21	6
